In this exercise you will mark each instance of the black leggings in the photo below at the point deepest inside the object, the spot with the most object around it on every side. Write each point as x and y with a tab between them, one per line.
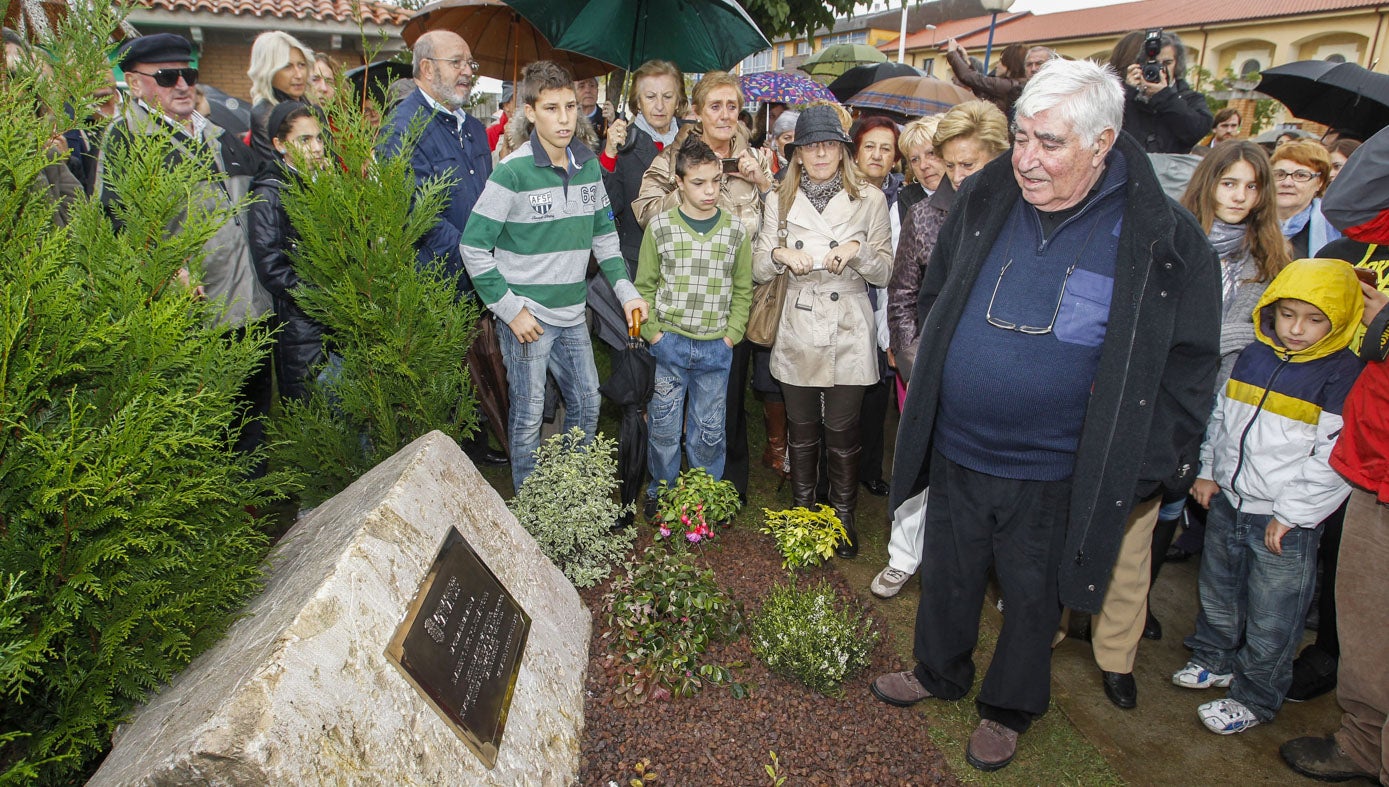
840	410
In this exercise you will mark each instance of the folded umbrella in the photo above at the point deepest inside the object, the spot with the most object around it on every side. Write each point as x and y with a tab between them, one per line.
631	384
860	77
1340	95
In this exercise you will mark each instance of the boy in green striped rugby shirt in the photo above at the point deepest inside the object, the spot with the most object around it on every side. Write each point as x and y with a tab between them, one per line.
526	248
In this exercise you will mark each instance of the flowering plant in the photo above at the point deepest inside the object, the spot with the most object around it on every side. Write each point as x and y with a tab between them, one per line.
806	636
694	505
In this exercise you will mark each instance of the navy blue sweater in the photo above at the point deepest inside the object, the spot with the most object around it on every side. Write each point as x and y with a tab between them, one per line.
1011	403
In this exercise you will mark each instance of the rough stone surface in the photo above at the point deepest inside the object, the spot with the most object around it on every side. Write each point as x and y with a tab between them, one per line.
300	691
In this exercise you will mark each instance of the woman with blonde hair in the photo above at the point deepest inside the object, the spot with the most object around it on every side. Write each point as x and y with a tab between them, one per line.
279	72
716	100
965	139
828	230
924	167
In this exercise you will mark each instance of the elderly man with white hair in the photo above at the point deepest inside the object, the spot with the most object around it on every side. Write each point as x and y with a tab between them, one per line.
1070	322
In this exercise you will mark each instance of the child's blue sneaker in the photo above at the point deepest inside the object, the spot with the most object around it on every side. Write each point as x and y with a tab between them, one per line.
1226	717
1195	676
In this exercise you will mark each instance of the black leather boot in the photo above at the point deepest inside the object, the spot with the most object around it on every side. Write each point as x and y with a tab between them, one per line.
845	453
803	449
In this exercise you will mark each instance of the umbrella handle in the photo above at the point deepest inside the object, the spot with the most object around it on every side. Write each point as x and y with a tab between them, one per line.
634	326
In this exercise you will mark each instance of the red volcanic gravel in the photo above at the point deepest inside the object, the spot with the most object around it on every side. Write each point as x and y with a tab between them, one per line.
714	739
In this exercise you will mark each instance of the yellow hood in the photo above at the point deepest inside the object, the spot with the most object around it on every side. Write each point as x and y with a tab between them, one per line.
1329	285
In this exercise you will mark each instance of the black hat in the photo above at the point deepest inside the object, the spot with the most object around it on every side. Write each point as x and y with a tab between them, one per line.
278	114
818	124
155	48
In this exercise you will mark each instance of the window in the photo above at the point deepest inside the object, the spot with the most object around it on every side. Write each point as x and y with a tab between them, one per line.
856	37
1336	58
760	61
1250	67
802	47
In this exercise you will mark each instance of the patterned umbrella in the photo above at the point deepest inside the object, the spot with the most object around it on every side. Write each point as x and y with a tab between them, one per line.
772	86
910	96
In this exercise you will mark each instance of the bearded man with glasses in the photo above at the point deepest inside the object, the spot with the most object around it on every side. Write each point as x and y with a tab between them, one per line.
1069	343
161	79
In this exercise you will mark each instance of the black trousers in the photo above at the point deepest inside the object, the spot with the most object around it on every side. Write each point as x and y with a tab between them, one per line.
872	422
735	462
974	520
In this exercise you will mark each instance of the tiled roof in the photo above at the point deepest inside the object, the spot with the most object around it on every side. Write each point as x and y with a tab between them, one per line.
371	11
1173	14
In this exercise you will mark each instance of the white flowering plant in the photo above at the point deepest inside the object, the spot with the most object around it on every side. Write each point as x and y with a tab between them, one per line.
805	635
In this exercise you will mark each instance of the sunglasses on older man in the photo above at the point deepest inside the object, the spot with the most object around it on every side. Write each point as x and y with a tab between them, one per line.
168	77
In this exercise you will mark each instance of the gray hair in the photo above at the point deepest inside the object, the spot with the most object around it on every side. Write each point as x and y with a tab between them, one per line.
784	122
1178	54
1086	94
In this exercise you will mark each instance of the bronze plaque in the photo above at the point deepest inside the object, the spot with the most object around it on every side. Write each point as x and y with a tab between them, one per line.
461	644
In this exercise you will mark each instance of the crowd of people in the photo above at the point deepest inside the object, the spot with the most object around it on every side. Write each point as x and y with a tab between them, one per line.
1089	352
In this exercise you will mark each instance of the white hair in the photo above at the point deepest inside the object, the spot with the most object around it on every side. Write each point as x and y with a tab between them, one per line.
269	54
1085	94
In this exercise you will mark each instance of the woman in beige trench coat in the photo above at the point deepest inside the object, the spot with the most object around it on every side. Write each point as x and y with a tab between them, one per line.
837	240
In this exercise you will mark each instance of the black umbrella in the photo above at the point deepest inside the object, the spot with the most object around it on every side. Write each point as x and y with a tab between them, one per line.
373	79
227	112
860	77
1341	95
631	384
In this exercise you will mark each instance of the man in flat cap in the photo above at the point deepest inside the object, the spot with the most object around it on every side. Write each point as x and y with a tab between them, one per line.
161	84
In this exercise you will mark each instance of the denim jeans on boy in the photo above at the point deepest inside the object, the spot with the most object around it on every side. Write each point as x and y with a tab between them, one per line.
1250	594
567	354
691	388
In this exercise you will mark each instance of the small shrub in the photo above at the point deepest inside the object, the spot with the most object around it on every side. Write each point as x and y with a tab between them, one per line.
803	634
805	537
567	506
694	505
664	611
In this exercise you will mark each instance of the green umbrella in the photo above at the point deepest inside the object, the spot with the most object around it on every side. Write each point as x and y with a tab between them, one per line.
832	61
697	35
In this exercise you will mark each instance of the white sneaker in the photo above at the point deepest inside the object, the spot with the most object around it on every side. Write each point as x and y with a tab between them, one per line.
1194	676
888	582
1226	717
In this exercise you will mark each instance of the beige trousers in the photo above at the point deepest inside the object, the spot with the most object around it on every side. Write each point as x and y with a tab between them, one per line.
1116	630
1362	596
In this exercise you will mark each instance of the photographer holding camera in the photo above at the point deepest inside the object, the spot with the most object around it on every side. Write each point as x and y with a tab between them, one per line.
1161	110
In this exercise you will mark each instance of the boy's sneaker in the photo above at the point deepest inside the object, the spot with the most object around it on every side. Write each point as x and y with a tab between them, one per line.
1226	717
1194	676
888	582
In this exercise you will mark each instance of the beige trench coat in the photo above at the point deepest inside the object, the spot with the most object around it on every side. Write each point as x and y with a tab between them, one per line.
739	197
827	335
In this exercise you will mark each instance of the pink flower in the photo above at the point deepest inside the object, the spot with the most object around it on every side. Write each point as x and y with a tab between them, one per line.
684	520
665	531
693	538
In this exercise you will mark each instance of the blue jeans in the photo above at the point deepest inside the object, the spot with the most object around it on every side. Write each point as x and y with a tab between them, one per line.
699	368
567	354
1250	595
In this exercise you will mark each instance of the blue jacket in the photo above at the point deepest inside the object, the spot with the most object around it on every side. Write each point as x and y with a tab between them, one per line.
443	150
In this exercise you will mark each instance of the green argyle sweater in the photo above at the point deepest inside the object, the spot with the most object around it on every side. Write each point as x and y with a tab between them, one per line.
698	284
530	234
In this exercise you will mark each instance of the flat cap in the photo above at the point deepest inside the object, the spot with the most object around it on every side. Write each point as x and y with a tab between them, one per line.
155	48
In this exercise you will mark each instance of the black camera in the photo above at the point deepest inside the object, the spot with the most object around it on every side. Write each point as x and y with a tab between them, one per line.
1152	47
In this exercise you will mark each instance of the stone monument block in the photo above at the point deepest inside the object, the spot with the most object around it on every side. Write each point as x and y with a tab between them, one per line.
301	691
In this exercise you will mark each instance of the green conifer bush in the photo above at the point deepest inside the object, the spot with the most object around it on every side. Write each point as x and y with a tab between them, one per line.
400	330
125	540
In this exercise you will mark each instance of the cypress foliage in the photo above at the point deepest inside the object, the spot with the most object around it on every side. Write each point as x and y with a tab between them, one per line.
397	329
125	542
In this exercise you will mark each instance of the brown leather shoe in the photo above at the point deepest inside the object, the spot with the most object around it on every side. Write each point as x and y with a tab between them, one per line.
1322	759
991	746
899	688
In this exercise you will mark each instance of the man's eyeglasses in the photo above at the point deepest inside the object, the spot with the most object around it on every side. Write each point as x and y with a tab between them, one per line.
457	62
168	77
1027	329
1301	175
